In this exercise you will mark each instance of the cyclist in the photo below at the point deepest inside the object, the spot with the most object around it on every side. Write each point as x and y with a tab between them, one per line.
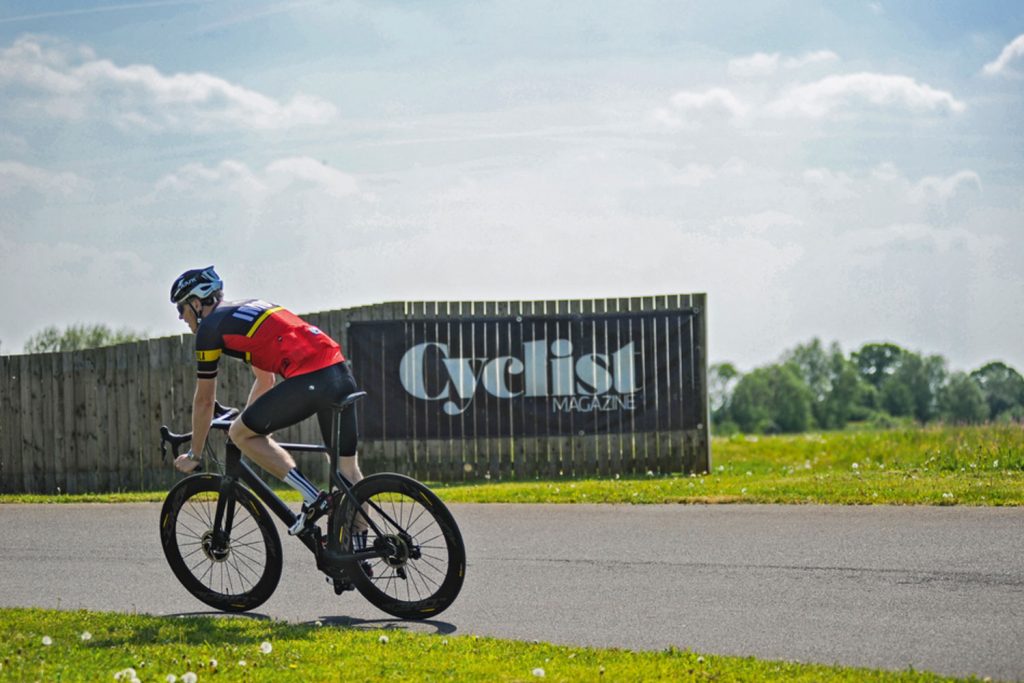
274	341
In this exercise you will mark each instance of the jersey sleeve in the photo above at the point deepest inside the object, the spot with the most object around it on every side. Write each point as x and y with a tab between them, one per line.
208	351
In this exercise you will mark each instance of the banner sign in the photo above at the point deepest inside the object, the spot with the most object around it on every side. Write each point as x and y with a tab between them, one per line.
526	376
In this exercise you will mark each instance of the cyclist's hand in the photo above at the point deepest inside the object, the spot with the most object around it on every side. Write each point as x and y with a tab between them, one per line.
185	464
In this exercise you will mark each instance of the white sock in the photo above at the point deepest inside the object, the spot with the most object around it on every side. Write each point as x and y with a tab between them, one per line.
298	482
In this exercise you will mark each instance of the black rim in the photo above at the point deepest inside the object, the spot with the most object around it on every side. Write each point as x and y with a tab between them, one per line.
231	568
418	558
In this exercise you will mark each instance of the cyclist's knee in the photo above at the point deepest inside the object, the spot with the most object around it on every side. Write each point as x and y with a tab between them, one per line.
238	430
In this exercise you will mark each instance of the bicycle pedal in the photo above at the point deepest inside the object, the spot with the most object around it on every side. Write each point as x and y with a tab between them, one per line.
340	585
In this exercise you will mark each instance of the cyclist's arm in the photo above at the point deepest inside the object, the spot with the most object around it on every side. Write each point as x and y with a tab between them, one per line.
202	412
261	385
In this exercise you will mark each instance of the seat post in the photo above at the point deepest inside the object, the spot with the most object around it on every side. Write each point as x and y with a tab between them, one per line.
333	447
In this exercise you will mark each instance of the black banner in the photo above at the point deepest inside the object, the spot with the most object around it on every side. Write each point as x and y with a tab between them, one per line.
526	376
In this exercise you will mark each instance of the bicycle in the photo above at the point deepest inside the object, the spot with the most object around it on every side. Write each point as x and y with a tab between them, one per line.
388	536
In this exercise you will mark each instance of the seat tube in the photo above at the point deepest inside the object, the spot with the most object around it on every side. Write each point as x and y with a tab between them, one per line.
334	447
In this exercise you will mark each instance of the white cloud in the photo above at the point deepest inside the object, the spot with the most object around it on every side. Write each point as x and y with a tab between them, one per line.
765	64
766	221
690	106
871	240
197	178
839	92
757	64
304	169
1014	50
239	180
15	175
832	185
693	175
70	83
941	189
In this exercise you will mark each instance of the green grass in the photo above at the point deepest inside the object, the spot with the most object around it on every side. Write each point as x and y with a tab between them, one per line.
931	466
229	649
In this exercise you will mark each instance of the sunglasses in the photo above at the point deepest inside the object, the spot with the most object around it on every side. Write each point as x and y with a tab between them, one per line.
181	308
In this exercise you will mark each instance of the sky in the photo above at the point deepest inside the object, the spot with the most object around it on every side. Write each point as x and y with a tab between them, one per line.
851	171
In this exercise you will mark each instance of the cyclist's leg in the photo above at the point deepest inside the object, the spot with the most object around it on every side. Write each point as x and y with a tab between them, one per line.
284	405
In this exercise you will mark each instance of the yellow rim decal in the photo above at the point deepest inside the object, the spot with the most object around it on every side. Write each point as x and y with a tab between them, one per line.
259	320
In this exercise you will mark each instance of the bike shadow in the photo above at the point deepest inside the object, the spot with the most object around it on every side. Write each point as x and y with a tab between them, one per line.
255	616
441	628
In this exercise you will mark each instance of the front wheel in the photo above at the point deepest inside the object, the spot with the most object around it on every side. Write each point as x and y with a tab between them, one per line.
424	560
233	569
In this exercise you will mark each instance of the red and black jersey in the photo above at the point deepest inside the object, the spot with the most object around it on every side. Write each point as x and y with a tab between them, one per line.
265	335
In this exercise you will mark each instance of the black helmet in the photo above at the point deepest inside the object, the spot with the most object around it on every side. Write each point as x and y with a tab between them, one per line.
200	283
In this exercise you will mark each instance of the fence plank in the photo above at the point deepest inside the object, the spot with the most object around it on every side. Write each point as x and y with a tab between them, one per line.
9	419
26	419
55	426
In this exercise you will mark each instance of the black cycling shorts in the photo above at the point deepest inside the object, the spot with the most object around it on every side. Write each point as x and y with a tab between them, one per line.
296	398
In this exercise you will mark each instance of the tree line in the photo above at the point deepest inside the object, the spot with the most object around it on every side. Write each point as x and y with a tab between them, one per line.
880	385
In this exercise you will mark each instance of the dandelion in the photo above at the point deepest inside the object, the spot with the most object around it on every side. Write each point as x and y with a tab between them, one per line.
650	473
995	463
855	466
213	663
86	636
125	674
242	662
700	660
947	495
189	677
171	678
266	647
319	623
538	672
47	641
721	468
383	640
444	641
743	490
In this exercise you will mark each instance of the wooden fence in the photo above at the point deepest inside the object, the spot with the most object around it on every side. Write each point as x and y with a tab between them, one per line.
88	421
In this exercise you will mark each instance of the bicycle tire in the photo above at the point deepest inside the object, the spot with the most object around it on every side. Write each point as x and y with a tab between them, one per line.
237	580
424	578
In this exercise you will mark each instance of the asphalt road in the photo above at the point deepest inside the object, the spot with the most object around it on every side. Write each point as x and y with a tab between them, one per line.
939	589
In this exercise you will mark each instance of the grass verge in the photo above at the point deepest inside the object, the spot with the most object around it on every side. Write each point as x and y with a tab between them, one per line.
53	645
931	466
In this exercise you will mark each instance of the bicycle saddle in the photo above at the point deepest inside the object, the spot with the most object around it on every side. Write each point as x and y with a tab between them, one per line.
349	400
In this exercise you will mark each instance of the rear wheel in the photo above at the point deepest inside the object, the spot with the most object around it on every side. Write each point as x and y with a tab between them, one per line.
424	564
235	570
